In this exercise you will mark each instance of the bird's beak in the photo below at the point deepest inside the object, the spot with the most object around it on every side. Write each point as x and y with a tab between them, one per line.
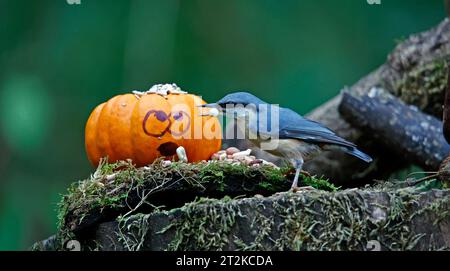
209	105
215	109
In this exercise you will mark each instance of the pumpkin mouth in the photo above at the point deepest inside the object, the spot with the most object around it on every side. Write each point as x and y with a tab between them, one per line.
168	149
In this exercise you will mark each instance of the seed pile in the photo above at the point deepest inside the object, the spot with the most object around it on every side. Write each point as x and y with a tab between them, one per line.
236	157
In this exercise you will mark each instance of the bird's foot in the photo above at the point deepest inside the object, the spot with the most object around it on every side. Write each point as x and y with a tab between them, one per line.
302	189
306	173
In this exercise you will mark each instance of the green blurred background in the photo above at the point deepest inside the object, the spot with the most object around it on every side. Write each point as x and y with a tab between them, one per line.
58	61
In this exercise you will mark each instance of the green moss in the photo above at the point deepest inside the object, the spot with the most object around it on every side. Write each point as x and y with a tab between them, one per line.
440	208
277	179
343	223
316	220
272	179
109	187
205	228
424	86
319	183
208	224
132	232
261	230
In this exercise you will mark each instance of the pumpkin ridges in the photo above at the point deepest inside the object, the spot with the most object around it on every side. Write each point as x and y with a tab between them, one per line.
185	141
207	144
111	109
210	145
134	132
174	100
119	127
181	115
144	144
202	148
196	125
103	143
91	136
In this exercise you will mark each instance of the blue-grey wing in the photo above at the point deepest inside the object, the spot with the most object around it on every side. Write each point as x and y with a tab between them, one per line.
292	125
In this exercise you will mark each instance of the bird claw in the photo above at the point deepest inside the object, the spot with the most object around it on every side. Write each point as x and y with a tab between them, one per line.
306	173
302	189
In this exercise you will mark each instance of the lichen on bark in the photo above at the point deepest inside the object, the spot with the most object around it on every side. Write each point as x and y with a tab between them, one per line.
424	86
400	219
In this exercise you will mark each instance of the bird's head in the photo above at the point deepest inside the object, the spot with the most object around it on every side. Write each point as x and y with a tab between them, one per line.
237	104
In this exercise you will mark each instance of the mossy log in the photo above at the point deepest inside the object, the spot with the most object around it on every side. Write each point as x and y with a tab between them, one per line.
218	205
416	71
133	189
403	129
120	189
315	220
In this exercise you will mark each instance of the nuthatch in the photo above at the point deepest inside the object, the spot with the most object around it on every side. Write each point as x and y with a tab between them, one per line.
297	139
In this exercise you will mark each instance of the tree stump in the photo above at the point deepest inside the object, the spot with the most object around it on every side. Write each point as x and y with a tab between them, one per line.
356	219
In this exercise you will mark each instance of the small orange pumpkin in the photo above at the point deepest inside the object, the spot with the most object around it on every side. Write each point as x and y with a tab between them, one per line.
146	125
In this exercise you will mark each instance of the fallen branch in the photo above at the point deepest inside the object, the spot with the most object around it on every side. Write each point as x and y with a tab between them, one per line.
413	56
402	128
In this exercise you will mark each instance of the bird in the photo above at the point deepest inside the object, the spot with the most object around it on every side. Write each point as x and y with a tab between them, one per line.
295	139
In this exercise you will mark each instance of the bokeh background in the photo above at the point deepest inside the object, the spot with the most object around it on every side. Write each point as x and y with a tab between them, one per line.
58	61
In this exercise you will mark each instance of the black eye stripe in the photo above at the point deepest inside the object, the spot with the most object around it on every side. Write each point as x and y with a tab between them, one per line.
233	104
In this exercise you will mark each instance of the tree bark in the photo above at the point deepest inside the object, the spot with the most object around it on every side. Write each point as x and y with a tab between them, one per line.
348	220
173	192
416	55
446	114
405	130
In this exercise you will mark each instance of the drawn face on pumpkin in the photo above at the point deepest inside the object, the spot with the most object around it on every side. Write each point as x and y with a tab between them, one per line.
158	123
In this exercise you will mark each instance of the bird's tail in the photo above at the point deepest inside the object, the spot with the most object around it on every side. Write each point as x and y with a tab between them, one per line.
357	153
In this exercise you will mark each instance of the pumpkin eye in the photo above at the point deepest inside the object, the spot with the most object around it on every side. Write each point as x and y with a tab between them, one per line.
161	115
156	123
181	123
178	115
